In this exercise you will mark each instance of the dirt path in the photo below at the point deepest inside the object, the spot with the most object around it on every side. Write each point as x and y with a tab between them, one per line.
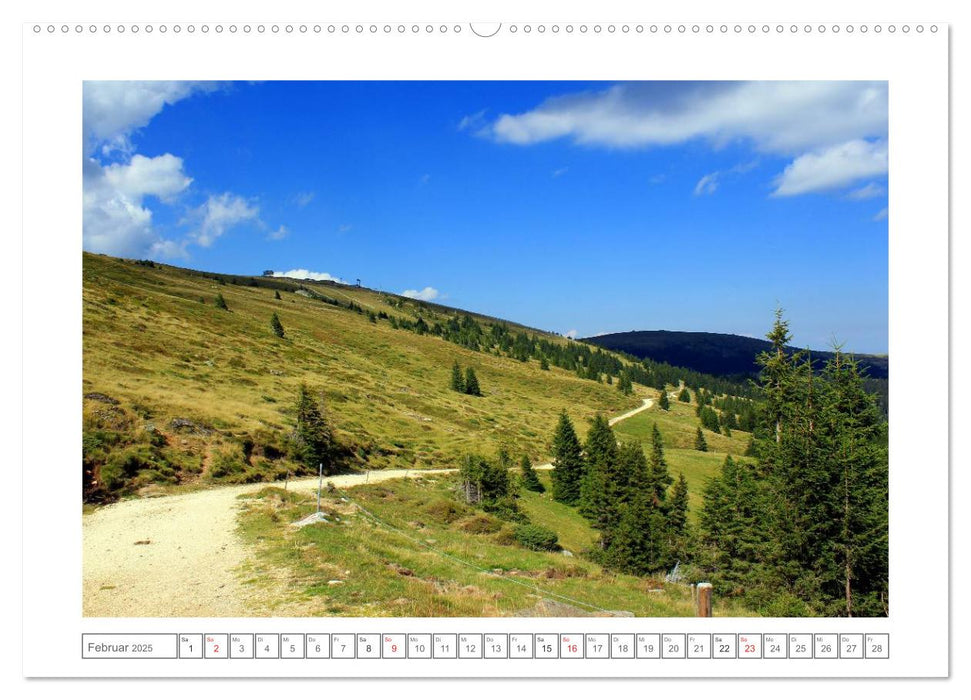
179	556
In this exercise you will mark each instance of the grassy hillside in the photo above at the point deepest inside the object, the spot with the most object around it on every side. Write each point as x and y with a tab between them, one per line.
418	552
179	391
678	425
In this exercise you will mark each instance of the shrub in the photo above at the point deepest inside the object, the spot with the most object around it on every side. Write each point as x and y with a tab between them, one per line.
536	538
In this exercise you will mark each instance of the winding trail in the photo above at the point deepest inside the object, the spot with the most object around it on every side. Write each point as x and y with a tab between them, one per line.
180	556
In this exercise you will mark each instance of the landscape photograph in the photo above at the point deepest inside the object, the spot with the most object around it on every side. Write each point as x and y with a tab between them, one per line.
485	349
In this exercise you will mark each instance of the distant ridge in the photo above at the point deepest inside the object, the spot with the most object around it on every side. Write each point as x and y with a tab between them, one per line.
721	354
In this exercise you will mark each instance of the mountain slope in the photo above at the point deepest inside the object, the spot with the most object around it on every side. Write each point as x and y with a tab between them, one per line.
178	390
720	354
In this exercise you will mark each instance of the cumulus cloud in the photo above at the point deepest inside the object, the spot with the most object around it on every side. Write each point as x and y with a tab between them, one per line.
115	218
119	184
303	274
791	119
833	167
113	109
426	294
218	214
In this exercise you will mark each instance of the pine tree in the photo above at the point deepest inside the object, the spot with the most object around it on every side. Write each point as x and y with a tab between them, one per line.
313	438
662	400
684	395
529	476
568	463
472	383
276	294
221	303
544	363
458	383
700	444
276	326
659	479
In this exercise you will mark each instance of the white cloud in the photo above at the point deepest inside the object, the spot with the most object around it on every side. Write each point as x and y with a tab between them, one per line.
113	109
473	122
868	191
425	179
302	274
115	219
707	184
426	294
161	176
881	215
571	334
791	119
344	228
220	213
779	117
710	182
278	235
560	171
833	167
302	199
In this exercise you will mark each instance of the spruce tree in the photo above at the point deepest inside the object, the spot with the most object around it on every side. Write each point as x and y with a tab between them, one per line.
700	444
276	294
221	303
544	363
529	476
313	438
678	536
600	453
458	383
472	383
684	395
659	479
568	464
637	544
276	326
662	400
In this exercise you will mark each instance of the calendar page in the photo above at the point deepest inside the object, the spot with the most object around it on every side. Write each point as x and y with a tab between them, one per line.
424	346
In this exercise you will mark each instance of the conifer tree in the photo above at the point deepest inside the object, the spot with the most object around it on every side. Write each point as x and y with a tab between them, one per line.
678	518
568	464
276	326
276	294
544	363
637	543
662	400
684	395
472	383
530	478
600	453
221	303
700	444
313	438
458	383
659	479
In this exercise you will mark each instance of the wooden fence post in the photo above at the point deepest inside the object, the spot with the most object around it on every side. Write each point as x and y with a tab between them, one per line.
704	600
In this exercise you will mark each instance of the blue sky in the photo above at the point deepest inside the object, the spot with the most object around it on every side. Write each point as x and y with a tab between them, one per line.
574	207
